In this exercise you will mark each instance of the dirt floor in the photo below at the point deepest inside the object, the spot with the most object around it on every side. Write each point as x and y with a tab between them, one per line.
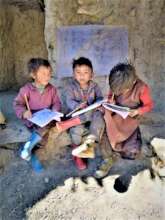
77	200
21	187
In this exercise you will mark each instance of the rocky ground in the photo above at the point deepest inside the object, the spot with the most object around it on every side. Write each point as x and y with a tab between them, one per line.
78	200
21	188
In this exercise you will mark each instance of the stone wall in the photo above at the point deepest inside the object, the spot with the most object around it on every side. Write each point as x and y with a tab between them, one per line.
21	37
6	49
144	20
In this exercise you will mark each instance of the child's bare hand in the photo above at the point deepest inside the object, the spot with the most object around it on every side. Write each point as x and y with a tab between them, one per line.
111	99
83	105
134	113
27	114
101	109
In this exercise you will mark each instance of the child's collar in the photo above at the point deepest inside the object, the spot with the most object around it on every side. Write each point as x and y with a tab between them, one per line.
90	82
38	86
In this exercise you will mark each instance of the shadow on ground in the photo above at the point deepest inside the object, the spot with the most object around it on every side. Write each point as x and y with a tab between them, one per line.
21	187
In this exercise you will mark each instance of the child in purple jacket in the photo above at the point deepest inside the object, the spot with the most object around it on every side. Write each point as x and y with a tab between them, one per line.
81	92
40	94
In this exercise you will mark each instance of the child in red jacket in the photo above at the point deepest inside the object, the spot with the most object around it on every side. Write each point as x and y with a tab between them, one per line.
126	89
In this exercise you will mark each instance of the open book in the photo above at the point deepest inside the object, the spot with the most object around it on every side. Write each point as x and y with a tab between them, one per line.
45	116
122	111
90	107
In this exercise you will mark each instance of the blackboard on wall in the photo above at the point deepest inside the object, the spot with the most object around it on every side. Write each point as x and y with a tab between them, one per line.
104	45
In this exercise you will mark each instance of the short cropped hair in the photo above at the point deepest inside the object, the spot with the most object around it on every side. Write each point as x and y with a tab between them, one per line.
34	64
122	77
82	61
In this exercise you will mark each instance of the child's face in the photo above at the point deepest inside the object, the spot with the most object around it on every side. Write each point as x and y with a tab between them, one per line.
121	92
126	90
42	76
83	74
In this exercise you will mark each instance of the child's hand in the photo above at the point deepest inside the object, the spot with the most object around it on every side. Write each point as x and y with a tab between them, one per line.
101	109
27	114
111	99
83	105
134	113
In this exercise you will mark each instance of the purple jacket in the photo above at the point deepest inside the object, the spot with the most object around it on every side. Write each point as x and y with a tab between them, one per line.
74	95
37	101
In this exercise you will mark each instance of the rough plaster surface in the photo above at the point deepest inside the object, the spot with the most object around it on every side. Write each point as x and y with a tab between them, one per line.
21	37
145	23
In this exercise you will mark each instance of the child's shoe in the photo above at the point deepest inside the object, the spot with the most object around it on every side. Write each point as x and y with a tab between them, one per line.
79	149
36	164
88	153
25	154
29	145
104	168
83	148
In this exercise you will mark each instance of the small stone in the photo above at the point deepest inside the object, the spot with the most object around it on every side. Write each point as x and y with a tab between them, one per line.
46	180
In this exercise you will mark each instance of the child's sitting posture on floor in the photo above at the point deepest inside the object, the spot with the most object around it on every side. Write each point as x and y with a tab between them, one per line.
124	134
81	92
37	95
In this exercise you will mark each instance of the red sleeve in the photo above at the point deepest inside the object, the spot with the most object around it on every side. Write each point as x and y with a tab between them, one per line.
145	98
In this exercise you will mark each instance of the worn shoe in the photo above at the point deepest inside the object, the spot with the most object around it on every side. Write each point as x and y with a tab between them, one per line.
104	168
89	141
35	138
88	153
79	149
25	154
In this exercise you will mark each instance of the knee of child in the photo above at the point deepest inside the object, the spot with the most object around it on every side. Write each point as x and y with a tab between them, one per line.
76	139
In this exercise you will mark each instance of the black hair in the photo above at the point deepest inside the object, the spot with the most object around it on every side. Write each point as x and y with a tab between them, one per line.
34	64
122	77
82	61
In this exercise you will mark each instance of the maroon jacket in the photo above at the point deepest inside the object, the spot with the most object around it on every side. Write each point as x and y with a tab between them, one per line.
119	130
37	101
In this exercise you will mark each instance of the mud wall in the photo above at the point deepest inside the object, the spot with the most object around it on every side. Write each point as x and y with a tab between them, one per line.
144	20
27	31
21	37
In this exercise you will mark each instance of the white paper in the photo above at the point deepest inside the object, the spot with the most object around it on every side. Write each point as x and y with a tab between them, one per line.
43	117
122	112
90	107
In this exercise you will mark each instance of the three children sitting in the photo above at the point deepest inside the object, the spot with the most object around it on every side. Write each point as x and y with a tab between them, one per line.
126	89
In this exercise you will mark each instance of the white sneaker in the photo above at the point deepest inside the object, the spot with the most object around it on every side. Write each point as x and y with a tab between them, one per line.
25	154
90	139
79	149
